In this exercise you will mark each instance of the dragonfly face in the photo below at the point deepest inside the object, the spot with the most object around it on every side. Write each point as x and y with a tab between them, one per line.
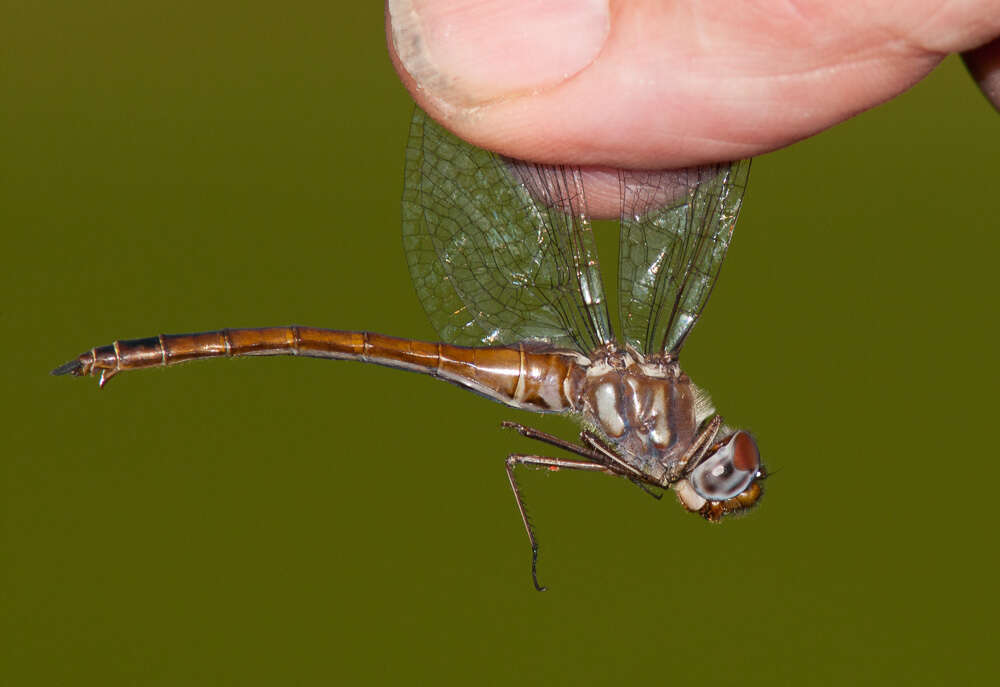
726	481
503	259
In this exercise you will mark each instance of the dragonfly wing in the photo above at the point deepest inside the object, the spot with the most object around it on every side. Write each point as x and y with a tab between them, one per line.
499	250
675	230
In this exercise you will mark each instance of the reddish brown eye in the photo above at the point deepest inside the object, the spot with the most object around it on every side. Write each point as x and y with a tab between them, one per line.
729	471
746	457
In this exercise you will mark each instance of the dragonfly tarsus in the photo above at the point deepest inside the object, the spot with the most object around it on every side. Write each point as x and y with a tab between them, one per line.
543	462
646	489
511	462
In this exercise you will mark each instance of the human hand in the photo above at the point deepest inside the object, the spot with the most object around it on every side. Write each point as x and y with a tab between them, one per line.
654	84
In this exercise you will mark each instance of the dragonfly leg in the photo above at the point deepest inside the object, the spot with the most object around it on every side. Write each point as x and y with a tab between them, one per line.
593	449
633	475
542	462
538	435
695	454
593	442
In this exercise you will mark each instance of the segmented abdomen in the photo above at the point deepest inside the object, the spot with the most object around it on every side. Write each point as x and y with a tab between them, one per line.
529	378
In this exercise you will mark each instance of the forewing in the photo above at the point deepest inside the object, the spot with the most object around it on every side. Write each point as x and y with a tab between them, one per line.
675	230
499	250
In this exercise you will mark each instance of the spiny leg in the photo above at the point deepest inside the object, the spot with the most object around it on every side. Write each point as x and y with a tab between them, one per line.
593	448
633	475
697	451
594	443
540	462
538	435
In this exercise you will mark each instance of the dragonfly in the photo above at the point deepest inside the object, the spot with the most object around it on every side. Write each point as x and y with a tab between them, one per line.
503	258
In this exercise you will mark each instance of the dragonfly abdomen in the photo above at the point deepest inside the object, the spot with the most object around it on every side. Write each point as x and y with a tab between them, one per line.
518	376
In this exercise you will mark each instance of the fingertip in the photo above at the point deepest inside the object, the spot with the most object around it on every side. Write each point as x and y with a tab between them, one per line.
465	55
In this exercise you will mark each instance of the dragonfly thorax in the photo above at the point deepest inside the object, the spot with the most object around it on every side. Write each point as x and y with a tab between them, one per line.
646	409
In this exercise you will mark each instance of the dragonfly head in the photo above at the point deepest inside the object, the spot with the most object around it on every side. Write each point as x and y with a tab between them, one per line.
727	480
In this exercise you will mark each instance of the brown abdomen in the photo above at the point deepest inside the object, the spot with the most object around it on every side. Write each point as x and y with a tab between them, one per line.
531	379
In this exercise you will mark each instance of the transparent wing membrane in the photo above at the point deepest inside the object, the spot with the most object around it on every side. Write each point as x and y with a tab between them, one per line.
675	230
502	250
499	250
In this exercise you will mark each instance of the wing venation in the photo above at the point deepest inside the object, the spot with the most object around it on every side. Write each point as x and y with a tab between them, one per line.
676	227
499	250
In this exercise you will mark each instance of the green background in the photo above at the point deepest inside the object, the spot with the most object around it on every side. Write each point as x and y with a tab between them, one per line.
185	166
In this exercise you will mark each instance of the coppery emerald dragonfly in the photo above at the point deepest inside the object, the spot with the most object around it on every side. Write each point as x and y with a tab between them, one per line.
502	255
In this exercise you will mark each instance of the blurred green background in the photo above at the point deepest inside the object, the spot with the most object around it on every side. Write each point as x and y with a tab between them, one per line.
185	166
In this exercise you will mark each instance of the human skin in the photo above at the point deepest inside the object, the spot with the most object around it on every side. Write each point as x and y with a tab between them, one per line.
658	84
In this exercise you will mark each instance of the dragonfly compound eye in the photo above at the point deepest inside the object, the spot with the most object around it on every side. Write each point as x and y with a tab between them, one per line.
729	471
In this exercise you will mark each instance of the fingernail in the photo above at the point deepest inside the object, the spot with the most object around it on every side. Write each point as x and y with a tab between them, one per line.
467	54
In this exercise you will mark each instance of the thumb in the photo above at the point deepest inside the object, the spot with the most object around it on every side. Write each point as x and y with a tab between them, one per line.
467	54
